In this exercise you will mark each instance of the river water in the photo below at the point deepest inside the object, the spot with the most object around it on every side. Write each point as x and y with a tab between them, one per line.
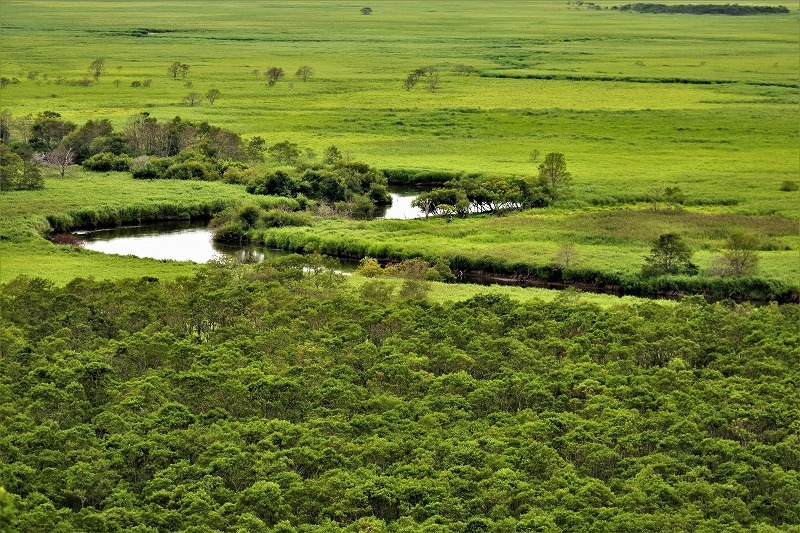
191	241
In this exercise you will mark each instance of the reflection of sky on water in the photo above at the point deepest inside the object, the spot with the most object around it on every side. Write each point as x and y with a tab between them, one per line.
186	245
191	241
401	208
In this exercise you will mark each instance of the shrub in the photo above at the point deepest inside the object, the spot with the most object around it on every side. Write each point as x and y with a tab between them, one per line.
61	223
105	161
276	218
789	185
153	169
234	232
192	170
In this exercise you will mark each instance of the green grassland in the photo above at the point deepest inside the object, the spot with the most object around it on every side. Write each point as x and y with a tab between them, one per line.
635	102
604	240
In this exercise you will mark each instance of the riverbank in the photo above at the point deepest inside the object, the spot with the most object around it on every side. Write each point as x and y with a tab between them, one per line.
609	243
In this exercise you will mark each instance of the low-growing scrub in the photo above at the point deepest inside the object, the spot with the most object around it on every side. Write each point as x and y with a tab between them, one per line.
105	161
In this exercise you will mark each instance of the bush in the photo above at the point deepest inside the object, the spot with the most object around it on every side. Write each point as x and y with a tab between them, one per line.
232	232
276	218
105	161
61	223
192	170
789	185
153	169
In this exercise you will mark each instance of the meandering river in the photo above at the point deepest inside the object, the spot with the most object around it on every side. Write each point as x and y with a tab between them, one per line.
191	241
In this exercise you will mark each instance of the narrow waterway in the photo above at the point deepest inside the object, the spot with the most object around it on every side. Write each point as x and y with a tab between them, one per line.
177	241
192	240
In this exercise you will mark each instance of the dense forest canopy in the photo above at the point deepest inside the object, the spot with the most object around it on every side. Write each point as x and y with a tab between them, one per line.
273	398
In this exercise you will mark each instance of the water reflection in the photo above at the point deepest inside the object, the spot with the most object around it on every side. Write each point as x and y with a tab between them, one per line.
401	204
191	241
178	241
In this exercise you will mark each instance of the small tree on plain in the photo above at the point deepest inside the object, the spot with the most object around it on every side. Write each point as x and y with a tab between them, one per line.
567	256
414	77
212	96
61	157
465	69
285	152
192	98
553	175
669	255
273	74
178	69
740	257
331	155
304	72
433	79
366	11
97	67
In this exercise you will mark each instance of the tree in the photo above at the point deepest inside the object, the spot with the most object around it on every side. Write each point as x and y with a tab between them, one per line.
465	69
97	67
669	255
567	256
5	126
423	202
60	157
192	98
366	11
17	172
553	175
414	77
212	95
273	74
47	131
331	155
740	258
304	72
178	69
433	79
285	152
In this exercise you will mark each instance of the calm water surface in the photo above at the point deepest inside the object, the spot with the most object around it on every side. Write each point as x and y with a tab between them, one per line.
191	241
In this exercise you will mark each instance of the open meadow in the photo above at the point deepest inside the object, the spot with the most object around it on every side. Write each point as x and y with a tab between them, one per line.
727	130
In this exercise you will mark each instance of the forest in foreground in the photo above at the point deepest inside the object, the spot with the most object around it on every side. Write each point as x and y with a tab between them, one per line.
270	398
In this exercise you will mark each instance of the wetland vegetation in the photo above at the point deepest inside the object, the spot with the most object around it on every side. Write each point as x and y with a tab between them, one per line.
571	142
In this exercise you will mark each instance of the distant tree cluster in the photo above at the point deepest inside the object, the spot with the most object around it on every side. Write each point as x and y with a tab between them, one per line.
32	141
176	149
275	74
18	170
704	9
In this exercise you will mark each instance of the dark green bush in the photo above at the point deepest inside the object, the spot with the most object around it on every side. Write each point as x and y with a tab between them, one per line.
153	169
192	170
105	161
